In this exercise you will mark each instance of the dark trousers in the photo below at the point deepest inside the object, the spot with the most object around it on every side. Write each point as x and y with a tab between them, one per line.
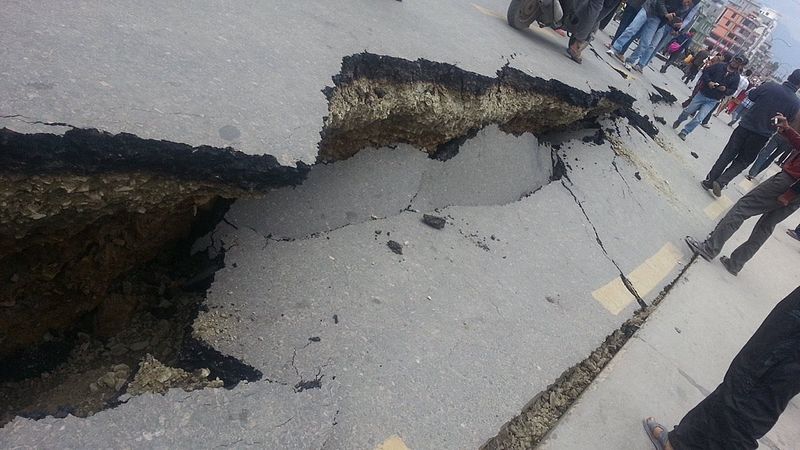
671	60
691	73
740	152
606	18
763	201
760	382
776	147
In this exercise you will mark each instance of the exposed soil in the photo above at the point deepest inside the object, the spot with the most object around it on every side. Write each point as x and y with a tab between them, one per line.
381	100
143	344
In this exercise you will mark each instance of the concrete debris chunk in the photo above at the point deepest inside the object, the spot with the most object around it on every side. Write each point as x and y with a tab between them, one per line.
434	221
395	246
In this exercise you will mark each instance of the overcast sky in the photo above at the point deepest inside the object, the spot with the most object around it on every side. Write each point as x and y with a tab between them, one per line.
788	31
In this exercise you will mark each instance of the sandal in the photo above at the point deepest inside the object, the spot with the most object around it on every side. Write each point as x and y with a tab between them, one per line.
574	55
650	426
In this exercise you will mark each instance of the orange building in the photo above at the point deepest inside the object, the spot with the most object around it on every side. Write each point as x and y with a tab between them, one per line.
735	30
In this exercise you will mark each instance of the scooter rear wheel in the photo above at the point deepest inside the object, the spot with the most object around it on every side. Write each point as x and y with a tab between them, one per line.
522	13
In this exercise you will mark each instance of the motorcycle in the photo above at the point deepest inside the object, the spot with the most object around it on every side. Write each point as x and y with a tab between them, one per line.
556	14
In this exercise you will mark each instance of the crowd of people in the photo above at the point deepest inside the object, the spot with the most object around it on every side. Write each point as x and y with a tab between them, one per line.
765	375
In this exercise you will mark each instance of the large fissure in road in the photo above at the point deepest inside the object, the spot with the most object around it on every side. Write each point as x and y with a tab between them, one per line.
99	293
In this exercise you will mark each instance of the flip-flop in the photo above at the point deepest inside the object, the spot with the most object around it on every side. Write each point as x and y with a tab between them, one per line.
650	425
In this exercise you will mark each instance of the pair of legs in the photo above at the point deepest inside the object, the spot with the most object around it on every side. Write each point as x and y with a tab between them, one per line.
763	200
737	114
660	40
647	27
673	57
700	107
740	151
760	382
776	147
627	17
691	73
722	106
590	16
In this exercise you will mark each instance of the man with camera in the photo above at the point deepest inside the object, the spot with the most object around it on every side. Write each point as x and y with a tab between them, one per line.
716	82
775	199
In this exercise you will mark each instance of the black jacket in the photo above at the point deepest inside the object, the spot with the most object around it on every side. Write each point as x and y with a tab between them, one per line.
719	73
769	99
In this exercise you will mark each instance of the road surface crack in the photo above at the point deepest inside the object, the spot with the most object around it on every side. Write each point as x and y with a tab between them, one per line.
625	281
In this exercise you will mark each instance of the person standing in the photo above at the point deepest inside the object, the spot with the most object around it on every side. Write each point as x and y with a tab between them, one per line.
744	84
697	63
775	199
676	49
715	82
761	380
647	21
754	130
632	8
588	19
577	45
680	9
740	110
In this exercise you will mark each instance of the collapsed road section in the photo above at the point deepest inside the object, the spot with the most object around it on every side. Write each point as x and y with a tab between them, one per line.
95	227
84	210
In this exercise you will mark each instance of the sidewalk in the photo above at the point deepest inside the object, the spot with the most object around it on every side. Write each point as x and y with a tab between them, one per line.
683	351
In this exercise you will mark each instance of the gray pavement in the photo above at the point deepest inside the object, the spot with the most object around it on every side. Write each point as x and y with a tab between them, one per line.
682	352
242	74
439	346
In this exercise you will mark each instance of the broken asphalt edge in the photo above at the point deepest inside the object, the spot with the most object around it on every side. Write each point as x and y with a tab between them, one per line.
541	414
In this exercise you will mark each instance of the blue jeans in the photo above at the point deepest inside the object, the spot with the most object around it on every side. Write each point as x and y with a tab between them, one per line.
647	26
647	43
737	114
701	105
628	15
659	38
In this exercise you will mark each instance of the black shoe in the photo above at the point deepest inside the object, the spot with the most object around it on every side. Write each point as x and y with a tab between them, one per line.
716	188
727	263
698	248
706	184
676	124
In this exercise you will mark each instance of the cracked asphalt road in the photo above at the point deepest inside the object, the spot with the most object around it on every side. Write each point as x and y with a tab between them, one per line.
439	346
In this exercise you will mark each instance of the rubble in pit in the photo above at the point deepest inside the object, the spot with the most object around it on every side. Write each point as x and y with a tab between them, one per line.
155	377
79	210
381	100
99	368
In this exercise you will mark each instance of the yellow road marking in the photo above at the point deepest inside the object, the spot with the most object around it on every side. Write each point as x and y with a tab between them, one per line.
649	274
393	443
746	185
717	207
488	12
615	297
